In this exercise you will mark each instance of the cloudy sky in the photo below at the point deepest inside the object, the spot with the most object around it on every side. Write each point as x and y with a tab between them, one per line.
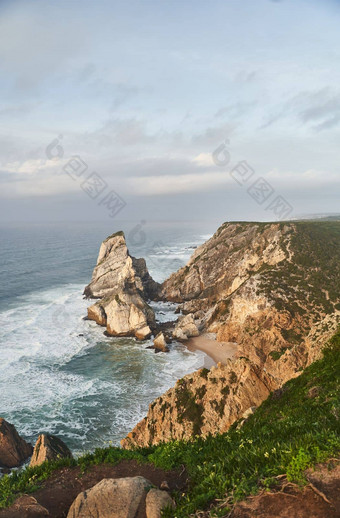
191	109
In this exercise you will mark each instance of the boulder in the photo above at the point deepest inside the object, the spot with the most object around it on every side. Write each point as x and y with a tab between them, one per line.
29	507
156	502
144	333
111	498
126	314
160	343
48	447
186	328
179	335
97	313
13	449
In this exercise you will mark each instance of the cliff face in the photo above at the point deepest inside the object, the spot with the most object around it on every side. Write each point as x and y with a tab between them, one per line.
273	289
202	403
123	284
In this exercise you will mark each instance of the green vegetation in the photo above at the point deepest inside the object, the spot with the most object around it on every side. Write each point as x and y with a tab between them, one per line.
309	283
117	299
296	427
276	355
188	408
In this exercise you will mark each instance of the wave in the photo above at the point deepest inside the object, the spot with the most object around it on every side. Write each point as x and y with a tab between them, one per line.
59	373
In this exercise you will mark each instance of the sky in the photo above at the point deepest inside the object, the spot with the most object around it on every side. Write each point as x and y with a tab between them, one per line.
169	110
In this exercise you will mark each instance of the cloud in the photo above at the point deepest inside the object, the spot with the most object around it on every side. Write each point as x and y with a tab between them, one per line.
235	110
204	160
320	109
179	184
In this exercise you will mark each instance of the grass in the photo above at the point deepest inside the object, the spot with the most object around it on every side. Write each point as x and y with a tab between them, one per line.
308	284
295	428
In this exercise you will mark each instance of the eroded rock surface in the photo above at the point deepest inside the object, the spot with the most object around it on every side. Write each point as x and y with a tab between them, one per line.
48	447
123	285
111	498
156	502
271	288
160	343
13	449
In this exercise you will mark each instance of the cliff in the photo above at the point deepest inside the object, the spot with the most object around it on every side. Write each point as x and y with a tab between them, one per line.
271	288
123	285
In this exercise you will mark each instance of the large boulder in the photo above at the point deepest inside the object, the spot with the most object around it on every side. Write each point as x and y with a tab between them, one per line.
144	333
160	343
13	449
111	498
156	502
48	447
124	314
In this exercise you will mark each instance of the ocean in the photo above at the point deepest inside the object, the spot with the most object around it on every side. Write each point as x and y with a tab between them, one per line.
59	373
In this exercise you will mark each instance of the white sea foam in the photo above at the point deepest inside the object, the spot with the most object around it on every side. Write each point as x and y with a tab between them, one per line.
60	374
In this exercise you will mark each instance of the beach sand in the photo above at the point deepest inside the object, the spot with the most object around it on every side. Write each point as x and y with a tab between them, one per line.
216	351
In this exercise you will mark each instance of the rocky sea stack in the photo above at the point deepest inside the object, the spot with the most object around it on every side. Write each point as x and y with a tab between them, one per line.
123	285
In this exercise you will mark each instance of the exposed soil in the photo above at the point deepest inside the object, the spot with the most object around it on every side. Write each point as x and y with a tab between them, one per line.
320	499
60	490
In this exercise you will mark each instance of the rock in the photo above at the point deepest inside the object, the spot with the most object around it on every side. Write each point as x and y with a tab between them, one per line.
97	313
144	333
233	387
48	447
156	502
13	449
126	313
245	416
160	343
29	507
179	335
111	498
186	328
123	284
117	271
252	284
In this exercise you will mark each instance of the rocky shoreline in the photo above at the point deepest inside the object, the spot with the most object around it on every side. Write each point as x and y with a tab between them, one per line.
254	298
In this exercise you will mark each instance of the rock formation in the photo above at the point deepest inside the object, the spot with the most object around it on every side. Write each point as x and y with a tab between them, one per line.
120	498
13	449
272	288
160	343
48	447
186	327
202	403
123	285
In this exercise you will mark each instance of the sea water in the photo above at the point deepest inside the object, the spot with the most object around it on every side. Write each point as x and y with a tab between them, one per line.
59	373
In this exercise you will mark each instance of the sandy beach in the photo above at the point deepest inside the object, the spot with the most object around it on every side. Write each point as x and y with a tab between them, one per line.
216	351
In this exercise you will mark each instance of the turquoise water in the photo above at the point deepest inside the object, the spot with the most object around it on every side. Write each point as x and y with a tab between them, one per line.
58	372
